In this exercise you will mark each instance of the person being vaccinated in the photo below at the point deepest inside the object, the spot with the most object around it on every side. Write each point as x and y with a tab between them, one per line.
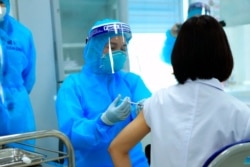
94	105
191	120
194	9
17	74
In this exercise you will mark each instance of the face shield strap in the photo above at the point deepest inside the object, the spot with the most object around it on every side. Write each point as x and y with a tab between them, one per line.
116	28
123	40
111	58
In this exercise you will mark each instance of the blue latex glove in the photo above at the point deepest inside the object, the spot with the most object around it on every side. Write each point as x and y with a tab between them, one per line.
117	112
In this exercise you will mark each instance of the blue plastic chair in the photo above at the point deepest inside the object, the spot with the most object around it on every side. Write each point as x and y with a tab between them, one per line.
233	155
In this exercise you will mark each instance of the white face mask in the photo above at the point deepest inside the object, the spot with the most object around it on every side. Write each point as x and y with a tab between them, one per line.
2	13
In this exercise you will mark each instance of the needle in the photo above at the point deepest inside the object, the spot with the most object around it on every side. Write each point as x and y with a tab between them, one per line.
133	102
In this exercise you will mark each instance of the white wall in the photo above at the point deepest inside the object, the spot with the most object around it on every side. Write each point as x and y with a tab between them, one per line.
239	82
235	12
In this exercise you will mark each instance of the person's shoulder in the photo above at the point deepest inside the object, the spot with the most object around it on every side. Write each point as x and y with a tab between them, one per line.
71	81
237	103
73	77
130	77
129	74
18	26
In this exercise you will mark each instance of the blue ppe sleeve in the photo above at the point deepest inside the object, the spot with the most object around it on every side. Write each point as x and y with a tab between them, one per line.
168	47
29	72
74	121
139	88
4	117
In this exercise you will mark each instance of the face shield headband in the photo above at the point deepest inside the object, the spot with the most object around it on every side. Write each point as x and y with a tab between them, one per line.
114	28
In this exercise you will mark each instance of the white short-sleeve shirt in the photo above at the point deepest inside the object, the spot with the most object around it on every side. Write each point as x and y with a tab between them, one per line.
190	121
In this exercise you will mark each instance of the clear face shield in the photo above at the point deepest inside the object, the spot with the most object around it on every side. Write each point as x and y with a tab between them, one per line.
114	60
198	8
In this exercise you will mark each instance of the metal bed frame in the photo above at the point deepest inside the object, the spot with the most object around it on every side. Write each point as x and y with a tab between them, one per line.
62	155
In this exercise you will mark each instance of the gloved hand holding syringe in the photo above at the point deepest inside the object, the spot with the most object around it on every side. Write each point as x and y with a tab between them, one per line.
117	112
138	105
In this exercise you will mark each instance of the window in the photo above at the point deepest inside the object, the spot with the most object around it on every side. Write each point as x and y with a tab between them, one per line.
149	21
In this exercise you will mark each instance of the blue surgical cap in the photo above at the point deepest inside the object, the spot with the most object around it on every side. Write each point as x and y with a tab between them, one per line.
98	37
198	8
7	4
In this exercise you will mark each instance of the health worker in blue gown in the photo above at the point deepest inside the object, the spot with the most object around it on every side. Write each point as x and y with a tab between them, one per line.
93	106
194	9
17	74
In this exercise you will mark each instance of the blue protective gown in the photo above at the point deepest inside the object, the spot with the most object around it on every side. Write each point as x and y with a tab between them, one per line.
17	76
84	96
168	47
170	39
